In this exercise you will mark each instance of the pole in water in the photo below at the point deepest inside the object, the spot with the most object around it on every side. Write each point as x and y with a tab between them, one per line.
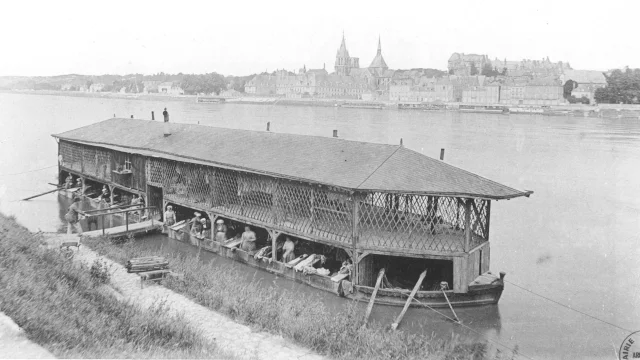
153	116
441	154
443	286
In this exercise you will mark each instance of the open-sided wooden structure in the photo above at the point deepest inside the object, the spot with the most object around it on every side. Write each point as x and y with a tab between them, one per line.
367	199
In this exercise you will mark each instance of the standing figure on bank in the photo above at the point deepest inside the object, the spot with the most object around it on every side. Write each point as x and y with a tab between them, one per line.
73	217
221	231
248	239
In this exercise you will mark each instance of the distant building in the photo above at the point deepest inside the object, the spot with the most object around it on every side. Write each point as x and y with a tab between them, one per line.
151	86
588	82
170	88
96	87
344	62
261	85
461	64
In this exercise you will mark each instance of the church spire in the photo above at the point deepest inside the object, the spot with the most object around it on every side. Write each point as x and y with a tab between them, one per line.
379	46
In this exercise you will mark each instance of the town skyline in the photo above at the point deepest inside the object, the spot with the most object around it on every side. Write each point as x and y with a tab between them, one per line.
269	38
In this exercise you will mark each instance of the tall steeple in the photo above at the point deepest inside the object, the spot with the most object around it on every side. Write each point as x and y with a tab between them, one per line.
378	62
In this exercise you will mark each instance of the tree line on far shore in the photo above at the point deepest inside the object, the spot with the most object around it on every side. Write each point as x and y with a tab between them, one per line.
623	87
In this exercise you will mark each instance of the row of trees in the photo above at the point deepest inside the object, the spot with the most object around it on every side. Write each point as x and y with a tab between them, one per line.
622	87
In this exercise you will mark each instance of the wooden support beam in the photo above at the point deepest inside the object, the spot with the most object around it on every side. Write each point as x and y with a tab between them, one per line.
274	236
362	256
467	224
354	236
373	297
84	187
394	326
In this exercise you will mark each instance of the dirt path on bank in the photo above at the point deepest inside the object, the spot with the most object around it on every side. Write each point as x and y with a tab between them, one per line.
231	337
15	345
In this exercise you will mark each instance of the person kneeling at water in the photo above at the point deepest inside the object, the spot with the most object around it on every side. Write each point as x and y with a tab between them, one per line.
288	248
221	231
248	239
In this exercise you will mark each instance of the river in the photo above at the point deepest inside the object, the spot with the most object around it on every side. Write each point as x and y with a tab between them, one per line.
575	240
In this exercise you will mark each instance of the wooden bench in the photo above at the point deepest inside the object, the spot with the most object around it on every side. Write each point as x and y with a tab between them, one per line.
154	275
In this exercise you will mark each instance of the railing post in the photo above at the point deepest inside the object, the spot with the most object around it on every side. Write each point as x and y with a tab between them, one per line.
102	224
126	218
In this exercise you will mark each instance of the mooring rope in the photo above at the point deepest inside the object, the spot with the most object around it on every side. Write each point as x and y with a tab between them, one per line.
569	307
465	326
29	171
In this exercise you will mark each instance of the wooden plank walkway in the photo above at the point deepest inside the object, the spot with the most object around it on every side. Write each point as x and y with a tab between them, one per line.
134	228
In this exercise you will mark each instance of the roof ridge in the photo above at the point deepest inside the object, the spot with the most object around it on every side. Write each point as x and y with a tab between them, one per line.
379	166
471	173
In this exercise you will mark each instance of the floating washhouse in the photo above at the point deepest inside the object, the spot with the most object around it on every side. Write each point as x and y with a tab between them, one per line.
377	205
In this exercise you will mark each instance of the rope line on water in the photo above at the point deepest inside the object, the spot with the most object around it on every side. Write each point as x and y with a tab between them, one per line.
464	326
29	171
569	307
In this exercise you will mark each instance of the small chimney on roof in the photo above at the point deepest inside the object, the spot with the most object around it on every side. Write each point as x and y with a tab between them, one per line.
335	133
165	113
268	125
441	154
400	141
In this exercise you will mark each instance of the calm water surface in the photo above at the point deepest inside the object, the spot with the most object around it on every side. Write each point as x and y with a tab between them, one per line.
576	240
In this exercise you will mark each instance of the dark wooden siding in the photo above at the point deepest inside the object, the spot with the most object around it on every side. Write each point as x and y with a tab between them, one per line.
137	179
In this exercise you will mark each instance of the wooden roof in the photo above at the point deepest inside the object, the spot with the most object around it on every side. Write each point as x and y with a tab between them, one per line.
352	165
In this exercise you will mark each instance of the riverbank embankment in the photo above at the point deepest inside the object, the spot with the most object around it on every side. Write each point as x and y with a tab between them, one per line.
72	309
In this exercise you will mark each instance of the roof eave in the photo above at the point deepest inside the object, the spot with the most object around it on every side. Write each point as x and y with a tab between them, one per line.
525	193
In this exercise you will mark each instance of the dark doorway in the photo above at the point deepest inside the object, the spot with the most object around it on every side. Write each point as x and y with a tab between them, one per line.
155	199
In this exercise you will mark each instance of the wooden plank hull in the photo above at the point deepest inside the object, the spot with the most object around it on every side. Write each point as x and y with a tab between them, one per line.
476	295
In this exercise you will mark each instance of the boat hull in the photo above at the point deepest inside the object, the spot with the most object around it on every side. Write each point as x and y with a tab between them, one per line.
477	295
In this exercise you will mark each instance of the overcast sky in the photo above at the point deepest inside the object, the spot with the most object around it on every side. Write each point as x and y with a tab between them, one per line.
241	38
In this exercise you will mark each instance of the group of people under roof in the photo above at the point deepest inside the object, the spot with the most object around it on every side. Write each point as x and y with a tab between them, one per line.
103	199
309	257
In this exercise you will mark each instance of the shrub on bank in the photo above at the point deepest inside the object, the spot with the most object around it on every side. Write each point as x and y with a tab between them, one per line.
296	316
62	307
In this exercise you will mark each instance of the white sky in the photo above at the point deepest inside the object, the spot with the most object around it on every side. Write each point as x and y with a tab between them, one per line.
245	37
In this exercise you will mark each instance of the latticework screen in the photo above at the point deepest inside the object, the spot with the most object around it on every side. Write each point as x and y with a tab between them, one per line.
313	211
86	159
418	222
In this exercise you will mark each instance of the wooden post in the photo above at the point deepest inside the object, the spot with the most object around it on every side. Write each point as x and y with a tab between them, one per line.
394	326
84	187
488	219
467	224
373	297
274	236
354	238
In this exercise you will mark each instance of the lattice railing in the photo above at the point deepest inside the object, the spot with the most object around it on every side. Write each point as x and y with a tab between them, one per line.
416	222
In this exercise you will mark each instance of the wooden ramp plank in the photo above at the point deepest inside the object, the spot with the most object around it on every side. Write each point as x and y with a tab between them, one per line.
122	230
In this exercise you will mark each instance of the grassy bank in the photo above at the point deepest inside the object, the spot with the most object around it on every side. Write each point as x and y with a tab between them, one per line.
299	317
67	310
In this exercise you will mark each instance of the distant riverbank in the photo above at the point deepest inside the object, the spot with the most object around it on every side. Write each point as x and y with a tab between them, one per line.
619	111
